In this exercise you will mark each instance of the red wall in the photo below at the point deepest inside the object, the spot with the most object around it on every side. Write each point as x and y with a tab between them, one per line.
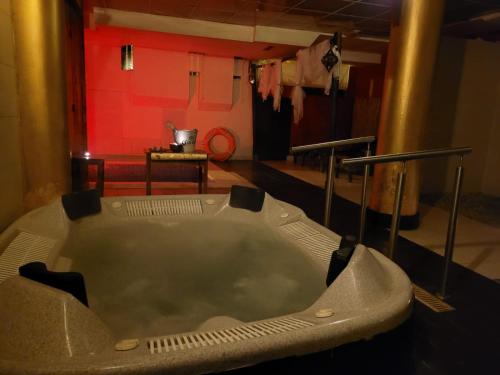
127	110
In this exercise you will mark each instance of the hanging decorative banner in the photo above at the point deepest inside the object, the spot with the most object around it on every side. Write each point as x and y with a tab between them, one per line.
329	60
318	63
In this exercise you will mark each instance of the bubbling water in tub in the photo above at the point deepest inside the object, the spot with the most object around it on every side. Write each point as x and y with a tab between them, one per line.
149	278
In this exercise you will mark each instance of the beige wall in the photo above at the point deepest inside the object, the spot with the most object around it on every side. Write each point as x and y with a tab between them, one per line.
442	111
464	112
11	175
491	174
476	110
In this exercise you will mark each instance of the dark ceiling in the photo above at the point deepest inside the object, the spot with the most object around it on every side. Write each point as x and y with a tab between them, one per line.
463	18
372	17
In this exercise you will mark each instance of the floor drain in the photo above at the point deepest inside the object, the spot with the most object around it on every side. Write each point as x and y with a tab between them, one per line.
430	300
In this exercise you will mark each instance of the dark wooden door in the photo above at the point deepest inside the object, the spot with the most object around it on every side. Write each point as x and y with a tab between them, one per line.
271	129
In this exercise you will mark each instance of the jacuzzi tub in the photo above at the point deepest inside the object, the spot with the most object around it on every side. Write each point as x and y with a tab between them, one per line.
186	284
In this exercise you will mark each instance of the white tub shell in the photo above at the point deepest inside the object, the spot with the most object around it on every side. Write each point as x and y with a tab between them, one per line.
46	331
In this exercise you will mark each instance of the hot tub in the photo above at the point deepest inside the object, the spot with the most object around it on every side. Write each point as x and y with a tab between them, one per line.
186	284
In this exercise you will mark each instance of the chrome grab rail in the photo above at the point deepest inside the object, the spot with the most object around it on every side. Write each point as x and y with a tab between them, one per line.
340	142
404	156
398	197
329	189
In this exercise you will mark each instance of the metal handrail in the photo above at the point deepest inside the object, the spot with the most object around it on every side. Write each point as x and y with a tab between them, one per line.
398	197
340	142
405	156
329	188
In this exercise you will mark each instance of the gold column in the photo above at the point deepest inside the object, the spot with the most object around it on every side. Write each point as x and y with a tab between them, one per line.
405	100
39	40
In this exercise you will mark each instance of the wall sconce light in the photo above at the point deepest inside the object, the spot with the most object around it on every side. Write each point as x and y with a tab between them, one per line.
128	57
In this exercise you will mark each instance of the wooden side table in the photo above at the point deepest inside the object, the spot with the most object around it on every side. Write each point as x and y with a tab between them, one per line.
198	158
79	173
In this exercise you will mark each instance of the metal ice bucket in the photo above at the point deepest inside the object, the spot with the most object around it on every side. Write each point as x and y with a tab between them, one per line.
186	138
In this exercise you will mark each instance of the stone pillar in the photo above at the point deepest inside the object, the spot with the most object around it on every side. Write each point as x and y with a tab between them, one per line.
408	79
39	43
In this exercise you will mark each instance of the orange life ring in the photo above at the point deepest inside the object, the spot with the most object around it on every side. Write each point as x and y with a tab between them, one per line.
219	156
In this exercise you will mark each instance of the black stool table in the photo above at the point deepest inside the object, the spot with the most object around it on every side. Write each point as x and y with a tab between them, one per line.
79	173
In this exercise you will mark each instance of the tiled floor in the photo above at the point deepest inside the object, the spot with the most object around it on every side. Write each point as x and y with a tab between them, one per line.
477	245
464	341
